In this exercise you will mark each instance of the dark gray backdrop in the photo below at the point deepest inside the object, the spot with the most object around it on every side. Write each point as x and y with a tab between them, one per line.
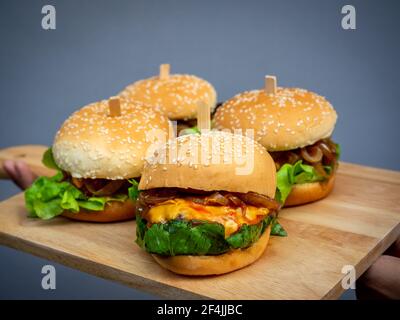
101	46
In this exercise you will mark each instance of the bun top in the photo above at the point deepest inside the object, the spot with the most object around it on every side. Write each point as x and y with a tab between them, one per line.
290	119
93	144
211	161
176	96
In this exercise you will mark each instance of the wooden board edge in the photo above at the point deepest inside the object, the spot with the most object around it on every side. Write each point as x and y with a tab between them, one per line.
97	269
380	247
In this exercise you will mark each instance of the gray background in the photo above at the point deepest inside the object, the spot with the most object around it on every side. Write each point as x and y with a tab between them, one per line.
101	46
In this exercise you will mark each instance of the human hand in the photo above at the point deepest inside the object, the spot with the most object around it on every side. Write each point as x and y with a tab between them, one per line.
20	173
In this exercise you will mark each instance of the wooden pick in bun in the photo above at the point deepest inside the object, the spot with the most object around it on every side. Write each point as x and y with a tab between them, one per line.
175	95
99	152
293	125
198	213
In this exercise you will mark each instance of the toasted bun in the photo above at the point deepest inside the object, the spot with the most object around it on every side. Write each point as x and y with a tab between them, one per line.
214	265
92	144
309	192
177	96
197	161
290	119
114	211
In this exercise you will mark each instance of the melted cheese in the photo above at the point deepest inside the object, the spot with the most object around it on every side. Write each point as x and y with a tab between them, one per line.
230	218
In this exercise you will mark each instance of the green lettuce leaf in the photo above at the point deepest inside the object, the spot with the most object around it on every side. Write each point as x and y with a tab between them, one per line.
288	175
284	183
156	240
46	210
93	204
328	170
69	202
181	237
245	237
98	203
192	130
277	229
49	197
133	190
338	150
48	160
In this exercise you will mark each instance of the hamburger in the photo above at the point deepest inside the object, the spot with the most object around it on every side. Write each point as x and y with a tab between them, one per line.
204	217
99	154
175	95
295	126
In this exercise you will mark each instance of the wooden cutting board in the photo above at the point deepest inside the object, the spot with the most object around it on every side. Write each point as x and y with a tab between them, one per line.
353	226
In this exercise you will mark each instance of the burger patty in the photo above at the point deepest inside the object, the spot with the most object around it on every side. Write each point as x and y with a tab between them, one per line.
321	153
99	187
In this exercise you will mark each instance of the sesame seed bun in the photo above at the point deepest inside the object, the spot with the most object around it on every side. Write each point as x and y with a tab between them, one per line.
176	96
92	144
310	192
198	163
219	264
290	119
113	211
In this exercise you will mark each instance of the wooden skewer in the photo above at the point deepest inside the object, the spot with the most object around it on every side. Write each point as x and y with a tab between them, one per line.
114	104
164	71
270	84
203	116
172	130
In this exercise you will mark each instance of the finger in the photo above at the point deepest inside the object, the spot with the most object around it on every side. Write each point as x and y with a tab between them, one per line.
12	171
9	168
381	280
25	174
394	249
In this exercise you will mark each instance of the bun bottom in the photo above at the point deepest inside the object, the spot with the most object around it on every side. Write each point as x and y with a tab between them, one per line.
113	211
214	265
309	192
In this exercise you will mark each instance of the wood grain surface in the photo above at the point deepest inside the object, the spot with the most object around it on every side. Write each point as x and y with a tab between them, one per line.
353	226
